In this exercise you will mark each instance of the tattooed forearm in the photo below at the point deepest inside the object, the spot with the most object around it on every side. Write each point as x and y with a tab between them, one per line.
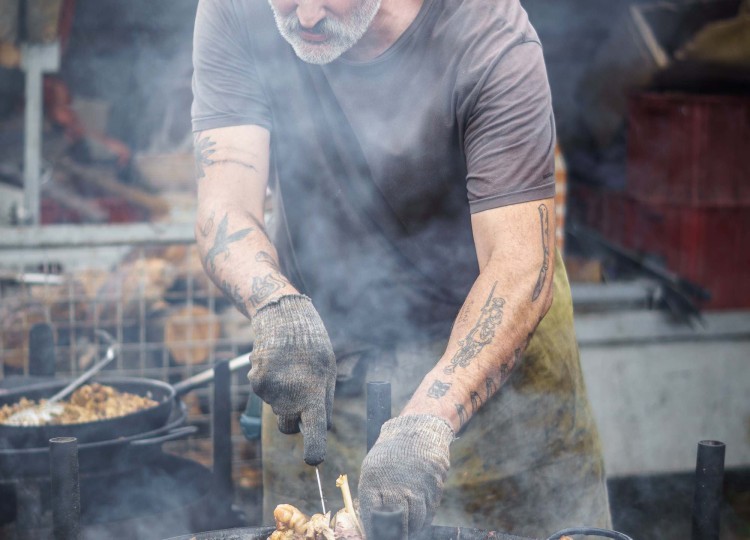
264	287
232	292
481	335
438	389
544	218
222	241
208	226
204	149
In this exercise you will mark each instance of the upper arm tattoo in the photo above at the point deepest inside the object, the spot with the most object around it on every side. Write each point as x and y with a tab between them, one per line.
204	149
481	335
222	241
544	218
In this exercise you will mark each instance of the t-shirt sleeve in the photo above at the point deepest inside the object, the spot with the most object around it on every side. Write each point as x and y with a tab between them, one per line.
226	88
509	140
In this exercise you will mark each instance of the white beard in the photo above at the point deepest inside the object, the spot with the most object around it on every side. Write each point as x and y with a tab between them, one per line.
341	34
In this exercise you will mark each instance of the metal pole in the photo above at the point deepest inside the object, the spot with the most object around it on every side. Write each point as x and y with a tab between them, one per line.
35	60
709	480
222	432
66	497
41	351
378	409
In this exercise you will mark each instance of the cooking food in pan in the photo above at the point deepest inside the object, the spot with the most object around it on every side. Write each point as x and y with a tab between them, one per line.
89	403
292	524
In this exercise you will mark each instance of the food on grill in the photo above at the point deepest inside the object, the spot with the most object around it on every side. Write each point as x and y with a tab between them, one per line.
91	402
292	524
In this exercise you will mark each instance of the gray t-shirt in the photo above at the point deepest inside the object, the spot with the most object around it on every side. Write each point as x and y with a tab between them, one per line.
377	165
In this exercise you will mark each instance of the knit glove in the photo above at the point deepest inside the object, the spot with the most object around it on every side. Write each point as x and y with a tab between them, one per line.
405	470
294	370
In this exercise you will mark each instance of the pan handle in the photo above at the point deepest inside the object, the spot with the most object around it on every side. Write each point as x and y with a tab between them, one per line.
591	531
171	436
205	377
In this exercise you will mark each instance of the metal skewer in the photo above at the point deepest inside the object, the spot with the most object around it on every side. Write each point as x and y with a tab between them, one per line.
320	489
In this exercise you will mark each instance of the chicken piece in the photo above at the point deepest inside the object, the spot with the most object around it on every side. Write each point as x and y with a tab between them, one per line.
289	518
346	527
292	524
319	527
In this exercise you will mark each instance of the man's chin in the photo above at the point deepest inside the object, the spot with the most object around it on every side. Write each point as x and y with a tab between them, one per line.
318	54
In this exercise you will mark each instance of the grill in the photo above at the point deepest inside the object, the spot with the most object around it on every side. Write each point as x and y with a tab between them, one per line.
58	289
126	487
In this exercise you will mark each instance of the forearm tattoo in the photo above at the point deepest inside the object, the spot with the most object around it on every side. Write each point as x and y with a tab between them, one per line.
222	242
462	416
544	218
479	336
232	292
438	389
476	402
263	256
263	287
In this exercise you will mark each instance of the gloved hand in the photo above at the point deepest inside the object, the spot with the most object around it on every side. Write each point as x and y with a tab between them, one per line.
294	370
405	469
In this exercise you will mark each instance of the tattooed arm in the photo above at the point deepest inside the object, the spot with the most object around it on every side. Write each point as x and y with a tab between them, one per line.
232	175
515	249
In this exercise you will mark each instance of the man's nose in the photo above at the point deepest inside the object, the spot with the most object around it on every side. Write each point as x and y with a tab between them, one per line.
310	12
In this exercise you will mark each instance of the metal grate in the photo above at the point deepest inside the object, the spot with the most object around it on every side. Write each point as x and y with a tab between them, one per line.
150	293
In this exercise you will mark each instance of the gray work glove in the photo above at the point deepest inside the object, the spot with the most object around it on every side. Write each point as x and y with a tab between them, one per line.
405	469
294	370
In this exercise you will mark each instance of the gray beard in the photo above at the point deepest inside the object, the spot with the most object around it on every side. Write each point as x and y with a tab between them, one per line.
341	34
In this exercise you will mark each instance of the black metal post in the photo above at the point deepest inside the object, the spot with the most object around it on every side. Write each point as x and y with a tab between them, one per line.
388	524
41	350
378	409
709	480
222	432
66	497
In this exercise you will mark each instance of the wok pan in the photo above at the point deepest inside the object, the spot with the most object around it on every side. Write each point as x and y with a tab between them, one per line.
122	426
105	457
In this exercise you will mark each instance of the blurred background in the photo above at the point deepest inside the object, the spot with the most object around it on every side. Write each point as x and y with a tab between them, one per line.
652	103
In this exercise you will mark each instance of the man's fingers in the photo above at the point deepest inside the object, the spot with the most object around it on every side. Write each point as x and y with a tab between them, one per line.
314	426
289	423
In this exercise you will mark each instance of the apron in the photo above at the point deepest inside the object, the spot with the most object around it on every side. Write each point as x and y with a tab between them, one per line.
528	463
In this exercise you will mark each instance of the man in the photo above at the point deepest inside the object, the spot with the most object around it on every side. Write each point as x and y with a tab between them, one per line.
409	146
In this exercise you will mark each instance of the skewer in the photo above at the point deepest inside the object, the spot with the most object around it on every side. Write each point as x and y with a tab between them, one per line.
320	490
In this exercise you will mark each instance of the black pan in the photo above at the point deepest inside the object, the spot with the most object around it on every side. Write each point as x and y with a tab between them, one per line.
102	430
120	454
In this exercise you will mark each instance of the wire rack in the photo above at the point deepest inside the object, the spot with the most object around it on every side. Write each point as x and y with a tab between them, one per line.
152	296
